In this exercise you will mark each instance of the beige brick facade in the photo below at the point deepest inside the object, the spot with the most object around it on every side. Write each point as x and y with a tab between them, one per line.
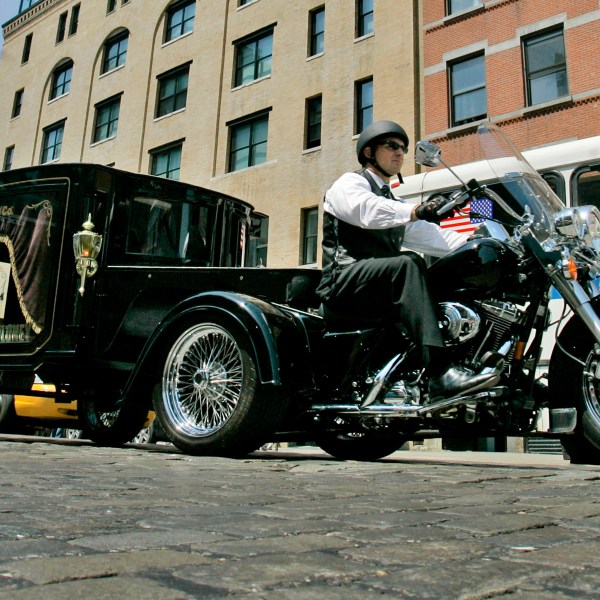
292	178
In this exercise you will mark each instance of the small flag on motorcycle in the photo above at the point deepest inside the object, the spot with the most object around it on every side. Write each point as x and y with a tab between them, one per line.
482	209
475	212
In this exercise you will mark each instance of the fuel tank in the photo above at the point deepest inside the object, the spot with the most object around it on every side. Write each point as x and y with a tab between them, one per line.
481	268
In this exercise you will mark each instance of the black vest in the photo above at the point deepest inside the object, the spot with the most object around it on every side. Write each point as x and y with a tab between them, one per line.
344	244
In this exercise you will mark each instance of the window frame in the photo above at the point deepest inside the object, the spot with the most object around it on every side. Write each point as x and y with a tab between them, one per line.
17	103
316	35
74	21
310	235
9	157
112	123
166	151
113	41
365	18
174	9
312	141
257	61
452	95
162	80
61	30
61	86
362	109
27	48
254	146
450	10
555	70
56	146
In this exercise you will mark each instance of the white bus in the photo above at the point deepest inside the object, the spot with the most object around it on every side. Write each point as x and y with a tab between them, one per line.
572	169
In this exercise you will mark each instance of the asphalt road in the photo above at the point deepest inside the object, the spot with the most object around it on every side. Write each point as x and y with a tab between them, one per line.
80	521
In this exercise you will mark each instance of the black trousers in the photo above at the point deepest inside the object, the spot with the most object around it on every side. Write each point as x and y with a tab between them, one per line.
396	288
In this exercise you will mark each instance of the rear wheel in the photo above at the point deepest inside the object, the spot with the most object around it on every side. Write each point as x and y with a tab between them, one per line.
359	446
208	398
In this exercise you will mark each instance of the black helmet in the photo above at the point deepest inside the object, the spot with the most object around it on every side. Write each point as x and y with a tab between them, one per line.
377	130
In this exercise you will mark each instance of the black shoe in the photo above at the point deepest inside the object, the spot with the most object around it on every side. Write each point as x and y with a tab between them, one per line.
455	382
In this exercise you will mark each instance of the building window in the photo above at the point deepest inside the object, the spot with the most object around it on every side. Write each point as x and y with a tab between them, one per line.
248	142
244	2
455	6
9	155
545	67
115	51
26	48
364	104
61	80
17	104
180	19
310	223
52	142
313	122
110	6
253	58
166	161
172	91
468	96
62	27
74	24
107	119
364	17
316	42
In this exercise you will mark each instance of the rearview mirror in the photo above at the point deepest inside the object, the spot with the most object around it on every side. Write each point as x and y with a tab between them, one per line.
428	154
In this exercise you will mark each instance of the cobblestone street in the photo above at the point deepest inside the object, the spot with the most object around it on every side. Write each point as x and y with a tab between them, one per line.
80	521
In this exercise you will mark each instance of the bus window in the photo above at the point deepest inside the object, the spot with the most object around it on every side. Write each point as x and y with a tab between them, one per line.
586	186
557	183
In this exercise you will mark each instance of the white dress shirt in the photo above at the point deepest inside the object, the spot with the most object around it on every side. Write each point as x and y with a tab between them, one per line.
350	199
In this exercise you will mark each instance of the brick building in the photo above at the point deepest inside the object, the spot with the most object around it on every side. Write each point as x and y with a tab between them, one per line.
531	66
261	99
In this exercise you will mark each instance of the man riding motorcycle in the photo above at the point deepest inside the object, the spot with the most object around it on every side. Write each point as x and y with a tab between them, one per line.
366	272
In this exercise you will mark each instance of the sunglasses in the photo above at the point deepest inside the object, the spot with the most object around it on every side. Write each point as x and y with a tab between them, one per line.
395	146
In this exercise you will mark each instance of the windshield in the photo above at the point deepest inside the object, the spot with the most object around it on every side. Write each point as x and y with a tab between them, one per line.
521	181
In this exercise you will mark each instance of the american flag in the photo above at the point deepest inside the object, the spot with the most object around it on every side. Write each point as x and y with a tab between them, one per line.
481	209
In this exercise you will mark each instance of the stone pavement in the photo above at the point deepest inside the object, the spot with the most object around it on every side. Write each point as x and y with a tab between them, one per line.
80	521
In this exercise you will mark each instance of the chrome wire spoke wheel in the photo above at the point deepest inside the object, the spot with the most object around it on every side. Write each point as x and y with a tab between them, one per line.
202	380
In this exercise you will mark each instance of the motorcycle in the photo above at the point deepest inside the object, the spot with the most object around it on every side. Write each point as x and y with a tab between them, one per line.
355	386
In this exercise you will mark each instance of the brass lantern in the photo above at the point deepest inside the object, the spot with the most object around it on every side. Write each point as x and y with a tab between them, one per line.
86	246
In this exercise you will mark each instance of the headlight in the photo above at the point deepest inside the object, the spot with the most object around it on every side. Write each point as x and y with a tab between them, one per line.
568	222
590	217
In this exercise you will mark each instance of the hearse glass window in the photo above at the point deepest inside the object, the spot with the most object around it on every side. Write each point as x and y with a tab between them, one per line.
30	237
165	231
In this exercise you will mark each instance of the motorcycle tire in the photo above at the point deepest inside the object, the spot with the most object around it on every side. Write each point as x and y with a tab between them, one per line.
110	428
574	374
359	446
208	398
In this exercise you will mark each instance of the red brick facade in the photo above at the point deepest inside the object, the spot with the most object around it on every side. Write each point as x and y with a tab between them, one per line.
496	29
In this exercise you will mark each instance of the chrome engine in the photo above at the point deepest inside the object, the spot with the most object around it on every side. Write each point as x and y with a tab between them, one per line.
460	323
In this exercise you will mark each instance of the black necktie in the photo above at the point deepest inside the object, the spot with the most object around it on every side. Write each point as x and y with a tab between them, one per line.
385	190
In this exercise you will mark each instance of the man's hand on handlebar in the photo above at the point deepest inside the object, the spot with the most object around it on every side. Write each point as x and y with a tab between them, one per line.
428	210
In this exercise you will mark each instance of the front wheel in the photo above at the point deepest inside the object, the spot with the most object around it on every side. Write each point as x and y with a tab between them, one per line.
111	427
8	415
208	398
574	376
359	446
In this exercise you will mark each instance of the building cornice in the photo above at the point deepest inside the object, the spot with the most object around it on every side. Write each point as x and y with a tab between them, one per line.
27	16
